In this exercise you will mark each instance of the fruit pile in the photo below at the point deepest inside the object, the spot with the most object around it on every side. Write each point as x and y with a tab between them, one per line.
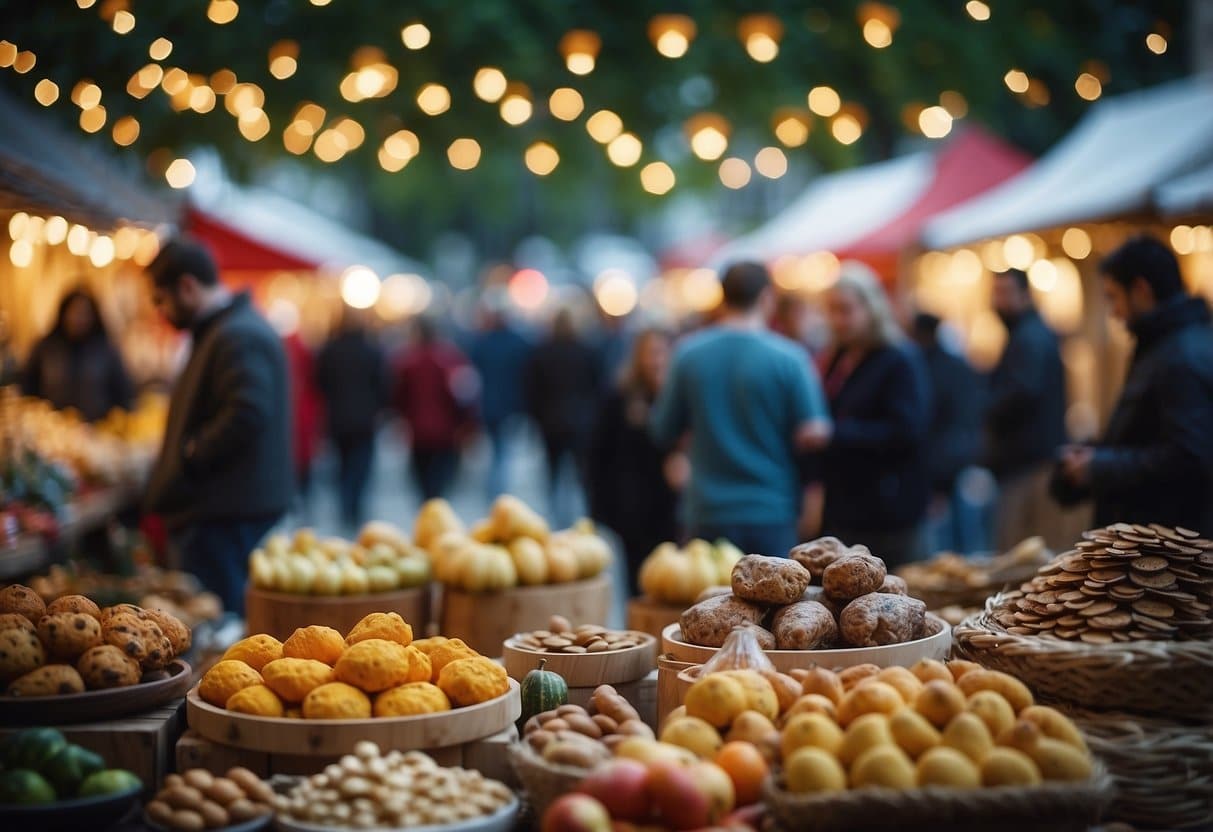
376	670
511	547
40	766
672	575
575	736
950	572
198	800
372	790
381	560
72	644
177	593
955	725
563	637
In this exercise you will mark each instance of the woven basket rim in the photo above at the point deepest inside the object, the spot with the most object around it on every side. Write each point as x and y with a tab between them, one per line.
521	752
982	624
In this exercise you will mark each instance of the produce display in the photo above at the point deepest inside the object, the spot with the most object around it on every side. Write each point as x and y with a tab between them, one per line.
511	547
380	560
39	765
1121	583
948	572
377	669
198	800
177	593
575	736
71	644
674	575
369	789
857	605
563	637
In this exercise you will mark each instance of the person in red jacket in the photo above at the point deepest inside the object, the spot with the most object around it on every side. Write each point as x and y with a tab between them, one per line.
435	395
305	412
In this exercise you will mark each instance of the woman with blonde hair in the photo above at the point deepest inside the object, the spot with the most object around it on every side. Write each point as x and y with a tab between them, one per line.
874	467
629	491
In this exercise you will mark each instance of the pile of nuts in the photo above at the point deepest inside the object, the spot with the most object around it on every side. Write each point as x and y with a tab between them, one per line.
369	790
199	800
575	736
563	637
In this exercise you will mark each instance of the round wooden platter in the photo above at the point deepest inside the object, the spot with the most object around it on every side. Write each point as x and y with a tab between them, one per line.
484	620
585	670
935	646
98	705
279	614
651	616
334	737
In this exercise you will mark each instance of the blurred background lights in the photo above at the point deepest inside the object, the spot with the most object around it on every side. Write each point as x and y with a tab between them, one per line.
760	34
46	92
734	173
877	33
566	103
541	158
1076	243
824	101
603	126
935	122
415	36
516	106
402	296
359	287
55	230
846	129
700	290
489	84
125	131
672	34
92	120
791	127
180	173
221	12
101	252
21	253
580	49
434	99
624	150
1088	87
1016	80
708	135
1043	276
615	292
77	240
463	154
528	288
124	21
1156	43
284	59
1018	251
771	162
657	178
977	10
160	49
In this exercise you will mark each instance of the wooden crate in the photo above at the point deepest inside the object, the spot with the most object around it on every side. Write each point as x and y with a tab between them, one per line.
487	756
652	616
484	620
142	744
279	614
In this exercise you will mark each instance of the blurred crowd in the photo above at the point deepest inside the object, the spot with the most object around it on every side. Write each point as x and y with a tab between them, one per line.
743	426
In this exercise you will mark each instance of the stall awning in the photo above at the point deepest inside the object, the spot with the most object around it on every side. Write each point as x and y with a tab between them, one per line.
1108	166
836	210
1189	194
234	250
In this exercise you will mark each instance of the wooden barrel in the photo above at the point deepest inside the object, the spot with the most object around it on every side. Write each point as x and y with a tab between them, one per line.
669	689
279	614
649	616
585	670
485	620
934	646
329	737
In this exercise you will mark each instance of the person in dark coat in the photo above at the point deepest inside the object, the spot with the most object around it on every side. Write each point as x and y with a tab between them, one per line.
1025	417
224	475
626	471
954	436
351	375
874	468
499	353
1155	461
77	365
561	389
435	395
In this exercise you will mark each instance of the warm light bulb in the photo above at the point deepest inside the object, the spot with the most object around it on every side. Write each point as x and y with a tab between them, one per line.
541	158
615	292
46	92
603	126
179	174
846	129
566	104
734	173
824	101
160	49
1076	243
221	12
877	33
415	36
1156	43
434	99
1016	80
1088	87
935	122
771	162
125	131
489	84
123	22
463	154
360	287
977	10
624	150
657	178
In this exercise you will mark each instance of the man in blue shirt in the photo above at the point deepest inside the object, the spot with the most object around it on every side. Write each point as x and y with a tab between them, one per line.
751	403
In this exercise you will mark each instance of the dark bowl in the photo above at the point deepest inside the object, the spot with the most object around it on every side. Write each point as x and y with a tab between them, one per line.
63	815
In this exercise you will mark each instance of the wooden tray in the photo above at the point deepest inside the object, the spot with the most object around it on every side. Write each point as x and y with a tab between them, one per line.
935	646
97	705
327	737
484	620
585	670
650	616
279	614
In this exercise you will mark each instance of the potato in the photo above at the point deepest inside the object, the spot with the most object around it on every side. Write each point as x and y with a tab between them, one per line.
605	723
199	778
188	820
252	785
557	724
245	809
214	815
160	812
582	724
224	791
538	740
182	797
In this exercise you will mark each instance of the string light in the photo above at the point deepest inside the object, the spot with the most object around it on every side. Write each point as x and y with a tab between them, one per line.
463	154
360	287
489	84
179	174
580	48
353	132
24	62
1088	87
566	104
824	101
528	288
202	99
791	127
760	34
541	158
253	124
297	137
846	129
879	22
415	36
877	33
603	126
309	117
708	134
978	10
1076	243
1156	43
8	53
935	122
160	49
615	292
402	145
657	178
92	120
434	99
125	131
222	12
21	253
123	22
734	173
101	252
1016	81
771	162
223	81
954	103
672	34
330	146
284	59
624	150
46	92
516	107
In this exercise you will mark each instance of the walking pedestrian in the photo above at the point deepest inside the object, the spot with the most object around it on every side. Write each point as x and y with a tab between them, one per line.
351	375
874	468
1025	417
1155	461
435	395
627	482
223	477
561	389
499	352
76	364
750	402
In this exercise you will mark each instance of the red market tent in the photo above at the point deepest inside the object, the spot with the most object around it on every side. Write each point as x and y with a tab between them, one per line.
236	251
970	164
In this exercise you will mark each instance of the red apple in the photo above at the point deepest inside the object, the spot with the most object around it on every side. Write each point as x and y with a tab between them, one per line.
576	813
620	786
715	783
677	797
747	817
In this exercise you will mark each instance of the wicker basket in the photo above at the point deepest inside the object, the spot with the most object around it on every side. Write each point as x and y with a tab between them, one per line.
1161	678
1049	807
542	781
1162	769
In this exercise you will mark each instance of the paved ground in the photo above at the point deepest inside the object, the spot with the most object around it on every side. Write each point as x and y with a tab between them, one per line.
392	497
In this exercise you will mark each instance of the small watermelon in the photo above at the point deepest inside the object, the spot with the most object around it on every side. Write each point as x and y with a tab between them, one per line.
542	690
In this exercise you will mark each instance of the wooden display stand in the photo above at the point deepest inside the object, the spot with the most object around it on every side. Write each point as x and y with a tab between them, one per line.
142	744
485	620
652	617
488	756
280	614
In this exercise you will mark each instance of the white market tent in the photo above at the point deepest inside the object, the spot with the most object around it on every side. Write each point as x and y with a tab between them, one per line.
835	210
1188	194
1110	165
